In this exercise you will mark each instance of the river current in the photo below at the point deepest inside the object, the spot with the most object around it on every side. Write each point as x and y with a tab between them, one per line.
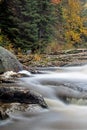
65	91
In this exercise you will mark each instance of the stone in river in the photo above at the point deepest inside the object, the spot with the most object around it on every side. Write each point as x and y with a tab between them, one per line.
8	61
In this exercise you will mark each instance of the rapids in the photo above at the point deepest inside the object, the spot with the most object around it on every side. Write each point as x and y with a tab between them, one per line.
64	90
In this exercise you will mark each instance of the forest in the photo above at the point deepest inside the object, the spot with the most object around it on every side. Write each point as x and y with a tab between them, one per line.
43	26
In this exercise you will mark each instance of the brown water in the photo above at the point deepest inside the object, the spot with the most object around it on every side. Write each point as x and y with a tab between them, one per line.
54	82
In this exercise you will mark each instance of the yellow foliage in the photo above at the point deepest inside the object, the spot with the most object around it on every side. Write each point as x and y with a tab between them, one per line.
5	42
74	25
19	51
10	47
1	38
84	31
37	57
73	35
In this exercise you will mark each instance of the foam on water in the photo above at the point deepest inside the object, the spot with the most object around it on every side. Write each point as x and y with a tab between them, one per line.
25	72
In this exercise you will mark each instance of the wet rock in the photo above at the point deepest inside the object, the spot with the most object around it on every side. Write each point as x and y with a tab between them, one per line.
11	77
3	115
9	74
8	61
21	95
8	77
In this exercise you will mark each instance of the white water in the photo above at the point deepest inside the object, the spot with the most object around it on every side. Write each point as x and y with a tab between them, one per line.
59	116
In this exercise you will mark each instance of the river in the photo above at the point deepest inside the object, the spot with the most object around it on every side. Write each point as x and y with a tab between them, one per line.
65	91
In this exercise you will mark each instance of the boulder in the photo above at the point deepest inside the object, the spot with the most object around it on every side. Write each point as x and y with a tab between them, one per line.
8	61
3	115
21	95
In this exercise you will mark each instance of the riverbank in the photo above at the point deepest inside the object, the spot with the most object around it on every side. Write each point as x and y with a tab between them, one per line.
71	57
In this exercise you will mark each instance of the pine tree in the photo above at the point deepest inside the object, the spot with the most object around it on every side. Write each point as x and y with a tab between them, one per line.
45	23
47	18
19	22
28	24
59	23
5	21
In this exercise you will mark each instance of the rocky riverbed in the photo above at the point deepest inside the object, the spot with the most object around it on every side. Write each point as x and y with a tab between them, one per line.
64	90
32	63
15	96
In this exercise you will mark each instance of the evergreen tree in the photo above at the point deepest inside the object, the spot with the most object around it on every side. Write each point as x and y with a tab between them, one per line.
19	22
59	23
5	21
45	23
45	26
27	23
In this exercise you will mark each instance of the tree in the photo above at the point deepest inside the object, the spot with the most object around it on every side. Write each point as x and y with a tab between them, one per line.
27	23
5	20
55	1
75	31
46	22
59	23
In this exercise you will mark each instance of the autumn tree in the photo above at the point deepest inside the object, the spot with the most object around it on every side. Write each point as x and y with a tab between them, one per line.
75	31
55	1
